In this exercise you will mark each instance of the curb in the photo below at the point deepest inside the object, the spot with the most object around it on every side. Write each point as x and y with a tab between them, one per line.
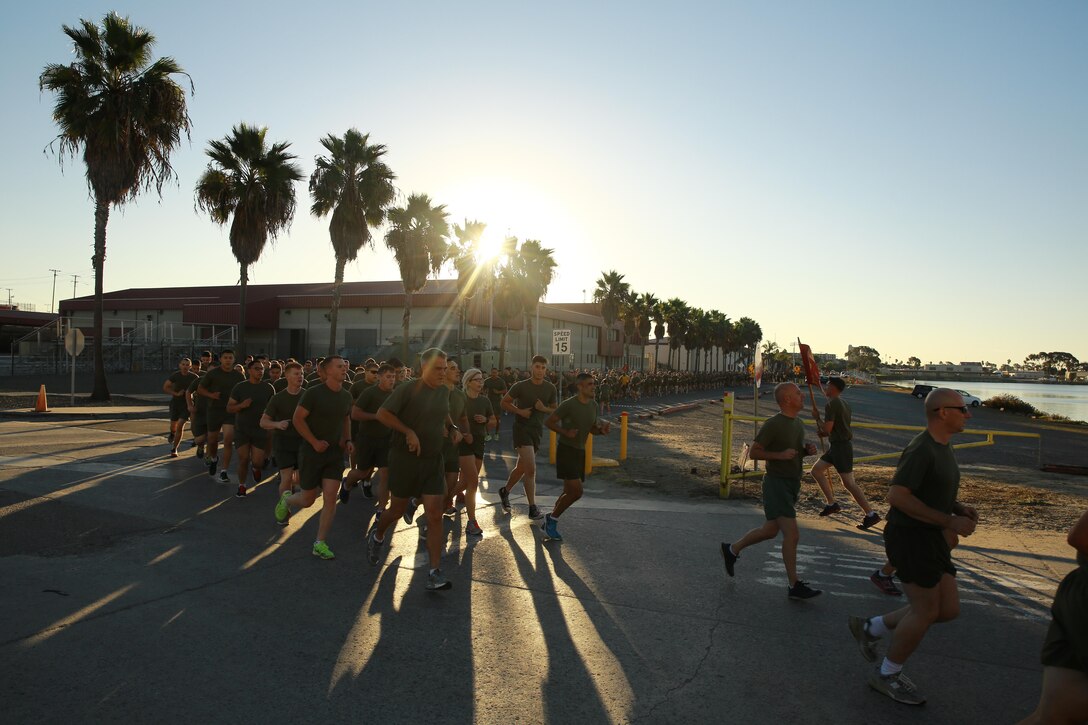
60	415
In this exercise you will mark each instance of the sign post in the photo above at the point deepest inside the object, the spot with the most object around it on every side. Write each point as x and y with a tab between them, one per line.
74	343
561	342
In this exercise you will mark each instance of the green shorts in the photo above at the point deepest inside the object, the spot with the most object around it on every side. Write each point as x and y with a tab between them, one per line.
314	467
570	463
286	456
780	496
199	424
372	452
840	455
217	418
1066	643
245	435
525	436
179	409
452	463
411	476
474	449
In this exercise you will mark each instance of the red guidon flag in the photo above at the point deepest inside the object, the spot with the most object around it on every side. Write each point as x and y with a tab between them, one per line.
812	370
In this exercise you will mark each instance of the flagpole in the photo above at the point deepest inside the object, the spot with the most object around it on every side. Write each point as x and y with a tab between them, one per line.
812	396
757	379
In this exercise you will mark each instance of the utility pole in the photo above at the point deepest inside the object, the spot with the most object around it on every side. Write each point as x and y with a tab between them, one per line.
53	301
75	278
9	296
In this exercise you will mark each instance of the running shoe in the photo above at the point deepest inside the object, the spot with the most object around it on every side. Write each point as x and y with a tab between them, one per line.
535	513
897	687
173	454
473	529
729	558
859	627
282	511
224	477
550	527
871	519
368	491
504	496
423	529
241	491
373	546
831	508
211	463
436	581
345	493
410	512
801	590
258	474
322	550
487	438
885	584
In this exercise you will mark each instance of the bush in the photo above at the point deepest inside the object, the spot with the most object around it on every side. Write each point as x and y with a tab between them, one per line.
1012	404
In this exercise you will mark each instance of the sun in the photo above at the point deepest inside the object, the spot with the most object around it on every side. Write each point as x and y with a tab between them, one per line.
490	245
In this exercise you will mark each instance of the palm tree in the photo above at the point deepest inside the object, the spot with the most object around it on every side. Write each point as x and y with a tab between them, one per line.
355	185
721	329
126	113
507	300
252	185
610	293
748	334
535	265
676	312
657	313
646	306
418	237
474	275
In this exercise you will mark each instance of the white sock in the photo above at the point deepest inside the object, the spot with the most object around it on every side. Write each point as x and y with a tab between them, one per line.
887	667
877	628
733	552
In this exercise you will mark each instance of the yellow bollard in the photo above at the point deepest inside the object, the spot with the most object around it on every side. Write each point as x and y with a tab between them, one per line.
727	444
589	455
623	436
552	441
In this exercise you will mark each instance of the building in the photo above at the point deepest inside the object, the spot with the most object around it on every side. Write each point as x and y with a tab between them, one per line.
292	320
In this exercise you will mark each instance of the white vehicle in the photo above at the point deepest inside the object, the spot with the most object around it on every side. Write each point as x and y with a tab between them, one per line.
970	399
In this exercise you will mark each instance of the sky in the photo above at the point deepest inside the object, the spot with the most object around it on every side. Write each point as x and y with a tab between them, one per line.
908	176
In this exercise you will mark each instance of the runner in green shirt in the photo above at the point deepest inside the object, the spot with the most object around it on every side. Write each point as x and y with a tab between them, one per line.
840	455
322	420
531	401
216	386
247	402
176	386
277	418
573	421
418	413
372	440
495	388
780	442
470	452
450	450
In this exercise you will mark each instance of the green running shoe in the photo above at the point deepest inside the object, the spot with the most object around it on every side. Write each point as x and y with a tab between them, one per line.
282	512
321	549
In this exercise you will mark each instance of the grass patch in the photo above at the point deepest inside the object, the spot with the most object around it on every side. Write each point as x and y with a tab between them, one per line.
1012	404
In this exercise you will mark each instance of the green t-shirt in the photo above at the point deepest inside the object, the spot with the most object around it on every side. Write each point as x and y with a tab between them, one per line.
279	384
458	400
181	383
369	401
260	394
573	413
281	406
199	401
930	471
525	394
359	386
424	410
218	380
838	412
479	405
328	410
495	388
779	433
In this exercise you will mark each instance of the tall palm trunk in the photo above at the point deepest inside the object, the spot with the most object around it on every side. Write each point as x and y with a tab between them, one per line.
101	390
334	313
406	323
530	342
502	348
240	353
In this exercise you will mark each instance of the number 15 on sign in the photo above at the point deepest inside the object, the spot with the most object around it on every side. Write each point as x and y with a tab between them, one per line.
561	342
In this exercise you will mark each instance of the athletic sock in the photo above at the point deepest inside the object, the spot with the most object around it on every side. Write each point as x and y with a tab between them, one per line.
378	539
731	551
877	628
887	667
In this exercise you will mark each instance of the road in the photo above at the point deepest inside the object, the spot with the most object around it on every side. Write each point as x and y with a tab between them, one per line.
138	589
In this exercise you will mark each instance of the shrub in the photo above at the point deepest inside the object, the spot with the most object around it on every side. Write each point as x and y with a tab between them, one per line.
1011	404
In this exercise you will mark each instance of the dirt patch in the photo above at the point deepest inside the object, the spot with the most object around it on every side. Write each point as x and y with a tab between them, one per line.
680	455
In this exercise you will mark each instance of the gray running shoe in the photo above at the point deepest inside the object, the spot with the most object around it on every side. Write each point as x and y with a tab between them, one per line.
436	581
473	529
535	513
897	687
410	512
859	627
373	547
224	477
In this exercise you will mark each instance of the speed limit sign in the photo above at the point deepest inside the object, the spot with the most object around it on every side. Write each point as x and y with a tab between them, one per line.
561	342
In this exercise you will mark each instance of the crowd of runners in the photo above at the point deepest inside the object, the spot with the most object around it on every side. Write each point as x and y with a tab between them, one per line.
419	441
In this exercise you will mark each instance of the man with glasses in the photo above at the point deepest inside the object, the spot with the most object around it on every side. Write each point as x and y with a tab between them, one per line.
923	503
573	421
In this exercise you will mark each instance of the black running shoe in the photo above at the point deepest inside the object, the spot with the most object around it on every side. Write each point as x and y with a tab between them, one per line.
871	519
801	590
367	490
729	558
345	494
504	496
831	508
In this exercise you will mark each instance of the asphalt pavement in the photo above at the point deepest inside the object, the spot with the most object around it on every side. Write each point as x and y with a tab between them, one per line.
136	588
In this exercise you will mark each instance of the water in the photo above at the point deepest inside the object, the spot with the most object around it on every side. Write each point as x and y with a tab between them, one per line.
1055	398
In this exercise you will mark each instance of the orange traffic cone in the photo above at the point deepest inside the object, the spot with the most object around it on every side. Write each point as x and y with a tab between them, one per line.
42	405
